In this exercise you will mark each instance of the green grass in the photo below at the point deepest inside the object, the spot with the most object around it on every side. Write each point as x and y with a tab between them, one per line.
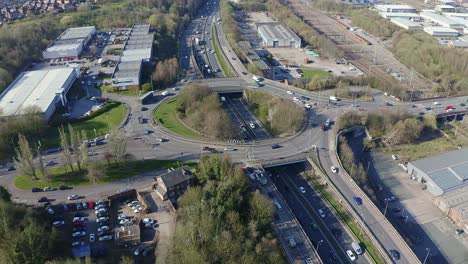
112	173
221	60
95	126
348	220
110	89
310	73
166	115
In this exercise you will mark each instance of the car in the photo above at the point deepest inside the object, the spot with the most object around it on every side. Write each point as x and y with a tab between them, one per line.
143	108
395	210
102	210
125	221
50	163
147	132
323	127
121	216
105	238
102	214
138	251
244	73
35	189
100	202
302	189
101	219
79	228
92	237
275	146
79	234
79	224
308	106
394	157
252	125
290	92
334	169
85	205
100	206
206	148
428	108
458	231
321	213
42	199
436	103
64	187
78	244
148	221
49	189
50	210
351	255
295	99
146	251
390	199
309	261
229	149
79	219
73	197
103	228
394	254
336	232
11	168
58	223
357	200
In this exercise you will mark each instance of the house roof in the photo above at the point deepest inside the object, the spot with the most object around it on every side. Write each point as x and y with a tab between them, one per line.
177	176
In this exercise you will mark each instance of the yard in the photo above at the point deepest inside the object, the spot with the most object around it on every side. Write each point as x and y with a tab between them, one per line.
310	73
166	115
60	176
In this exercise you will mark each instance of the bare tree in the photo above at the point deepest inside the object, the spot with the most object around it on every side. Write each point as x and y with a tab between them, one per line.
66	148
118	145
42	167
84	149
75	141
24	160
95	171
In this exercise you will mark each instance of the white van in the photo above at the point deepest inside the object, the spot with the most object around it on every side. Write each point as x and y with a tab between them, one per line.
165	93
356	247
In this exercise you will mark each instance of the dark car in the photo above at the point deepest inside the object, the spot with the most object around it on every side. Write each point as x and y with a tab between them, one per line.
65	187
276	146
11	168
35	189
244	73
357	200
206	148
394	254
143	108
336	232
42	199
147	250
323	127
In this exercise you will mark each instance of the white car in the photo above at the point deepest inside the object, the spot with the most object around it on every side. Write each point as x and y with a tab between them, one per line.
79	219
92	237
334	169
290	92
296	99
322	213
308	106
58	223
78	244
79	234
252	125
132	203
125	221
351	255
100	206
302	189
50	210
228	149
73	197
105	238
103	228
121	217
102	210
100	219
148	221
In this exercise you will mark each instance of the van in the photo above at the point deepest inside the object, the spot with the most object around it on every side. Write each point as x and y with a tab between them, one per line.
165	93
356	247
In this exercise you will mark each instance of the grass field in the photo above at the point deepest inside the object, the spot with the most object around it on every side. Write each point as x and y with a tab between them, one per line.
166	115
218	51
96	126
310	73
112	173
110	89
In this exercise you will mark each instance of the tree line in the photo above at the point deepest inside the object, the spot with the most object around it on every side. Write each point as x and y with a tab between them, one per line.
280	116
222	220
200	108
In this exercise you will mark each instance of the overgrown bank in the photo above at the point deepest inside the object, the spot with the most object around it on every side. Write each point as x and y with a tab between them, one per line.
223	221
200	108
281	117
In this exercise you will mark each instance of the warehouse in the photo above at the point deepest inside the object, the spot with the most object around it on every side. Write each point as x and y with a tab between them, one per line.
442	20
253	58
441	32
396	8
390	15
277	35
43	89
138	49
454	204
460	15
442	173
445	8
69	44
406	24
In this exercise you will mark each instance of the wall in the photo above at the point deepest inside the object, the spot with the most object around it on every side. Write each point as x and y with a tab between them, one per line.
432	187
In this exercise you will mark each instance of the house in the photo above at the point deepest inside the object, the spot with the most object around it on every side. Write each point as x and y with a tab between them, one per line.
174	183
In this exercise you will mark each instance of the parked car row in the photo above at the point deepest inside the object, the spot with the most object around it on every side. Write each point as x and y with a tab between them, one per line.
49	188
136	206
102	220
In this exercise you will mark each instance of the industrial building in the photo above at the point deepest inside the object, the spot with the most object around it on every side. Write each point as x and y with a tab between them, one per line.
442	20
138	49
458	44
69	44
396	8
390	15
406	23
277	35
253	58
442	173
460	15
442	32
454	205
445	8
43	89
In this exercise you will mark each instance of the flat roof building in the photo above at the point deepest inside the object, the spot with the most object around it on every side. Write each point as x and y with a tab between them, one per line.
441	32
390	15
396	8
442	173
406	23
442	20
461	15
69	44
445	8
277	35
43	89
127	74
253	58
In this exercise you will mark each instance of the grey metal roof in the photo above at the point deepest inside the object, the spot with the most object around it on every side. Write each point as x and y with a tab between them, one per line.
448	170
277	31
458	199
127	73
77	33
253	56
177	176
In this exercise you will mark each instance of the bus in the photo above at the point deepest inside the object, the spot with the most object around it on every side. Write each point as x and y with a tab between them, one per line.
146	98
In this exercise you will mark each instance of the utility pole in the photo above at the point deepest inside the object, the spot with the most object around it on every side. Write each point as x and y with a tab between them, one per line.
385	211
411	85
427	255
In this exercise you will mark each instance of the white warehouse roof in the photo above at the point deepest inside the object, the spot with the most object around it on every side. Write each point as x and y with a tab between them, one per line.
35	88
396	8
77	33
390	15
441	20
461	15
406	23
441	31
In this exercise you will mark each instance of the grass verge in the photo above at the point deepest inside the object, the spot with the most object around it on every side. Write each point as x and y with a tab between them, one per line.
166	115
348	220
314	73
110	89
60	176
221	60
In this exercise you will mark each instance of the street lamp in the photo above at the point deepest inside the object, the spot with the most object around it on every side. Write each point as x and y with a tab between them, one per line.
318	244
427	255
386	206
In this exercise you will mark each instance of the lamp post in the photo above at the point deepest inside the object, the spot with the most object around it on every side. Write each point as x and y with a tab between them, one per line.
318	244
385	211
427	255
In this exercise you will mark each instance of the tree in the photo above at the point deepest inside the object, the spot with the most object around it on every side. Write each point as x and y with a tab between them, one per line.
84	148
42	167
95	171
24	160
5	194
75	141
66	148
118	146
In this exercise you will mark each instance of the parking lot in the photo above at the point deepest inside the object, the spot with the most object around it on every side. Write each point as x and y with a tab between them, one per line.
249	126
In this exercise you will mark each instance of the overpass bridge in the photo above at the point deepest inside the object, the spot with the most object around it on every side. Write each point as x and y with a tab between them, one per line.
459	115
285	161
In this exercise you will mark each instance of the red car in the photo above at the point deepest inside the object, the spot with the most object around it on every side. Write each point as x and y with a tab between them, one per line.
91	204
448	107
